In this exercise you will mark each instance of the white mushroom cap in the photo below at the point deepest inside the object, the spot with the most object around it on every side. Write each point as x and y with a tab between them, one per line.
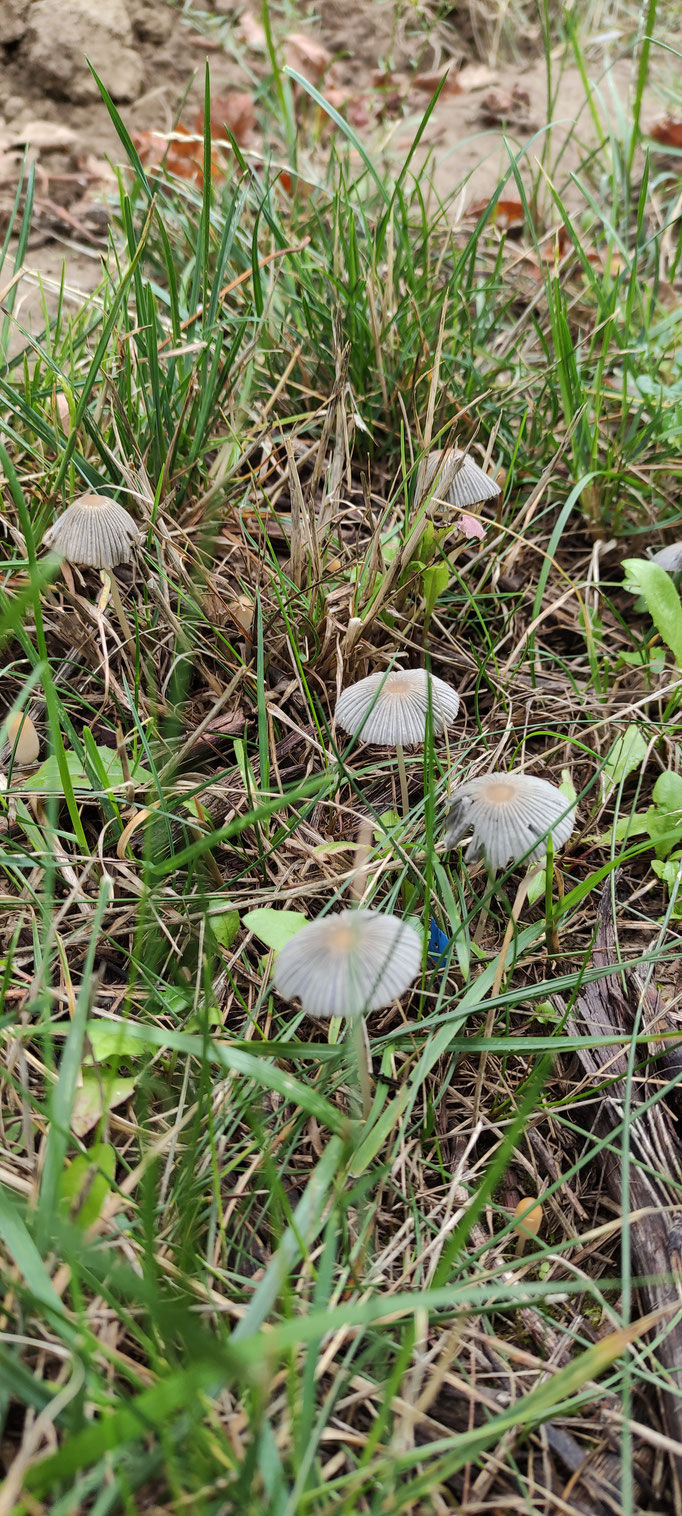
470	485
509	817
392	708
95	531
669	558
350	963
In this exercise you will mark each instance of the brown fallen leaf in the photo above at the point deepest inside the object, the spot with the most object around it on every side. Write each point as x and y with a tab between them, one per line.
474	76
97	1092
429	81
668	132
230	725
182	151
234	110
337	95
505	105
306	56
251	32
358	111
505	213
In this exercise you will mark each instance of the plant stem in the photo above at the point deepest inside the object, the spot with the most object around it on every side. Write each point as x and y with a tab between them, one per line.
403	779
109	578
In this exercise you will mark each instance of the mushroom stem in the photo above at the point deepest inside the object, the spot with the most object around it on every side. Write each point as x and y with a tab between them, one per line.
485	908
110	579
403	778
361	1050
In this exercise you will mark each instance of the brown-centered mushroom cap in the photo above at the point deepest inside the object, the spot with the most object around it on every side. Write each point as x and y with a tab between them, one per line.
470	485
391	709
95	532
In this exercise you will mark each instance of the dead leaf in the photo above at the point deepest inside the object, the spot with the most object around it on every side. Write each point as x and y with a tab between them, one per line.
668	132
252	33
337	95
470	526
505	105
230	725
237	112
96	1092
98	171
306	56
45	135
505	213
429	82
358	111
474	76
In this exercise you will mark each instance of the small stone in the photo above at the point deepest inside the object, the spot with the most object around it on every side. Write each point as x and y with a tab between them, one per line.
63	34
151	23
13	20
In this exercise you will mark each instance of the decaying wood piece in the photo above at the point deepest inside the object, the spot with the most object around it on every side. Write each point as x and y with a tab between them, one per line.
615	1004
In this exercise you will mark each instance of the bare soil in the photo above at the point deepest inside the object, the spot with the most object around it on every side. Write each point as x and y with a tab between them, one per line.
376	51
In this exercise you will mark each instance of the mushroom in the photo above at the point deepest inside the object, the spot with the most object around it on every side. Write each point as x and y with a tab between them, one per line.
510	817
527	1222
669	558
96	532
391	709
346	965
465	483
22	746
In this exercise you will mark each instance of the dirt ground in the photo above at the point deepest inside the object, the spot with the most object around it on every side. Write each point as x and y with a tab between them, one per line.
381	70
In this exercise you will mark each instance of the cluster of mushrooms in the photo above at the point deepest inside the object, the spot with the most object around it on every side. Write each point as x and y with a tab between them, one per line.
359	960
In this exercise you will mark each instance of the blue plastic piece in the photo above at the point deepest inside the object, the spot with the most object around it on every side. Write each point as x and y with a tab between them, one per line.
439	942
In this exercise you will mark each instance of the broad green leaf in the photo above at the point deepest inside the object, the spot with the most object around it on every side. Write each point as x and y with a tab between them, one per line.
113	1039
97	1093
662	599
436	580
47	778
85	1183
625	828
567	786
224	926
664	817
627	754
274	928
22	1249
670	872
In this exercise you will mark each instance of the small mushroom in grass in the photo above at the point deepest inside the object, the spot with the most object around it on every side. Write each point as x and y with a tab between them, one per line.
527	1222
22	747
510	817
468	484
96	532
347	965
392	709
669	558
